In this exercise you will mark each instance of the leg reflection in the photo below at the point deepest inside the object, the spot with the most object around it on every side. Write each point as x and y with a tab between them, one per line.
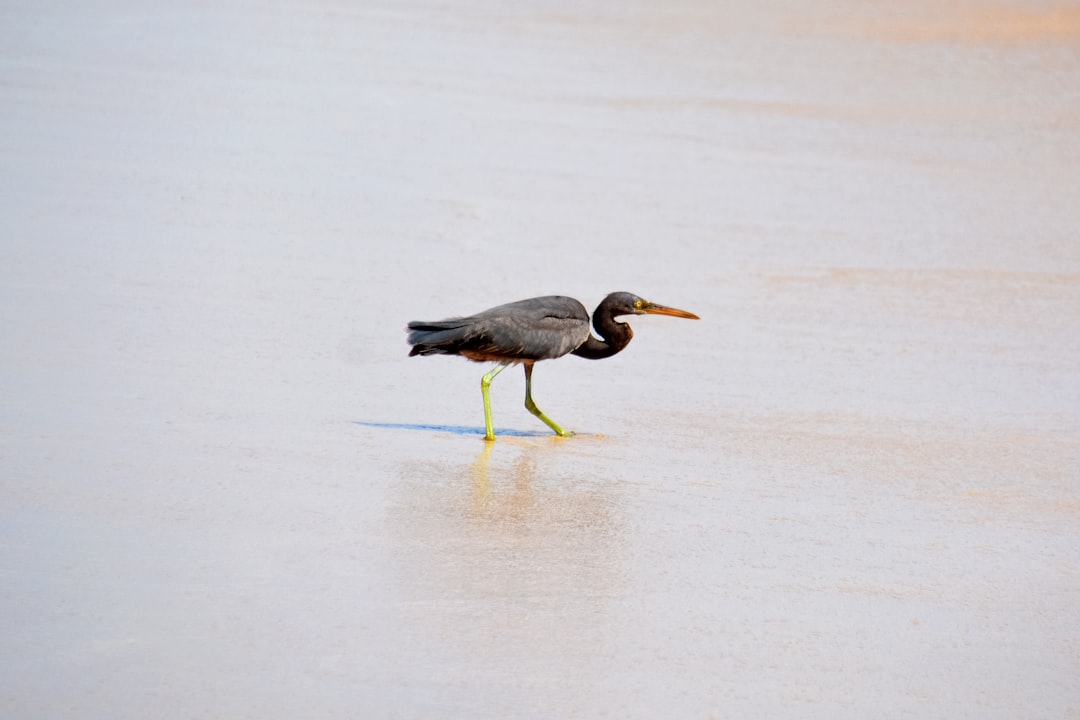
496	506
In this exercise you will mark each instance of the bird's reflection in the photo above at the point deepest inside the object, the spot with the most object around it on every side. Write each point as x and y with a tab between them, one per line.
520	496
481	481
514	546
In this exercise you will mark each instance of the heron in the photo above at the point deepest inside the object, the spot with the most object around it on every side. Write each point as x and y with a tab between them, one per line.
528	331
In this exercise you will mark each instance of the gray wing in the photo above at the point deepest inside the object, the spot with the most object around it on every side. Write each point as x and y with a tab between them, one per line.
536	329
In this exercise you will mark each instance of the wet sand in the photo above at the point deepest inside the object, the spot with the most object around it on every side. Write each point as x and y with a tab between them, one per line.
851	489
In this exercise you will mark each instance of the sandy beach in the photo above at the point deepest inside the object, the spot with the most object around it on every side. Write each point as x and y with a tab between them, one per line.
850	490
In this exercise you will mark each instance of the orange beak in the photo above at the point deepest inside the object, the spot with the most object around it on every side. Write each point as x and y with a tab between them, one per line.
654	309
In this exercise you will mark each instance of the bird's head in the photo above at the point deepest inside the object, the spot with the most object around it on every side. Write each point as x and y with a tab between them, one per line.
624	303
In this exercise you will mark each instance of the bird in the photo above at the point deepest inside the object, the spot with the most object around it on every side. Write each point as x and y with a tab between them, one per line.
528	331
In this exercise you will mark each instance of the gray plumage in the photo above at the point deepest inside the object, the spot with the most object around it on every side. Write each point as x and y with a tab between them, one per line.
528	331
540	328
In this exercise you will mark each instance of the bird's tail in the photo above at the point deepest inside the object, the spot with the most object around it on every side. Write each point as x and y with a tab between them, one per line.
431	338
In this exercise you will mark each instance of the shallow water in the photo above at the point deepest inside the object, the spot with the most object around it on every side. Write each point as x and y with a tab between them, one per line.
850	489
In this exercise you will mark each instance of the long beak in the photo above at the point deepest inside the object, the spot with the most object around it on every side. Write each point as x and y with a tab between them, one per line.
654	309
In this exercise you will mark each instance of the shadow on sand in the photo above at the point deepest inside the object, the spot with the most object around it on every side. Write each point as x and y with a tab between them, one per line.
455	429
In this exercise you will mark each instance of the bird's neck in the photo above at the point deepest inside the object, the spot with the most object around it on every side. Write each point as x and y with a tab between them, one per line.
616	336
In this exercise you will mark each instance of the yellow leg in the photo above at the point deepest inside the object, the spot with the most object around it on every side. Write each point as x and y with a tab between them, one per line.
531	406
485	385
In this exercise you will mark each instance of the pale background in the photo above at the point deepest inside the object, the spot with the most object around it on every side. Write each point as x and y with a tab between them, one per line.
851	490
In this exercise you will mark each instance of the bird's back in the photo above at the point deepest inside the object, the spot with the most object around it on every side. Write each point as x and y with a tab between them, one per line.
539	328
